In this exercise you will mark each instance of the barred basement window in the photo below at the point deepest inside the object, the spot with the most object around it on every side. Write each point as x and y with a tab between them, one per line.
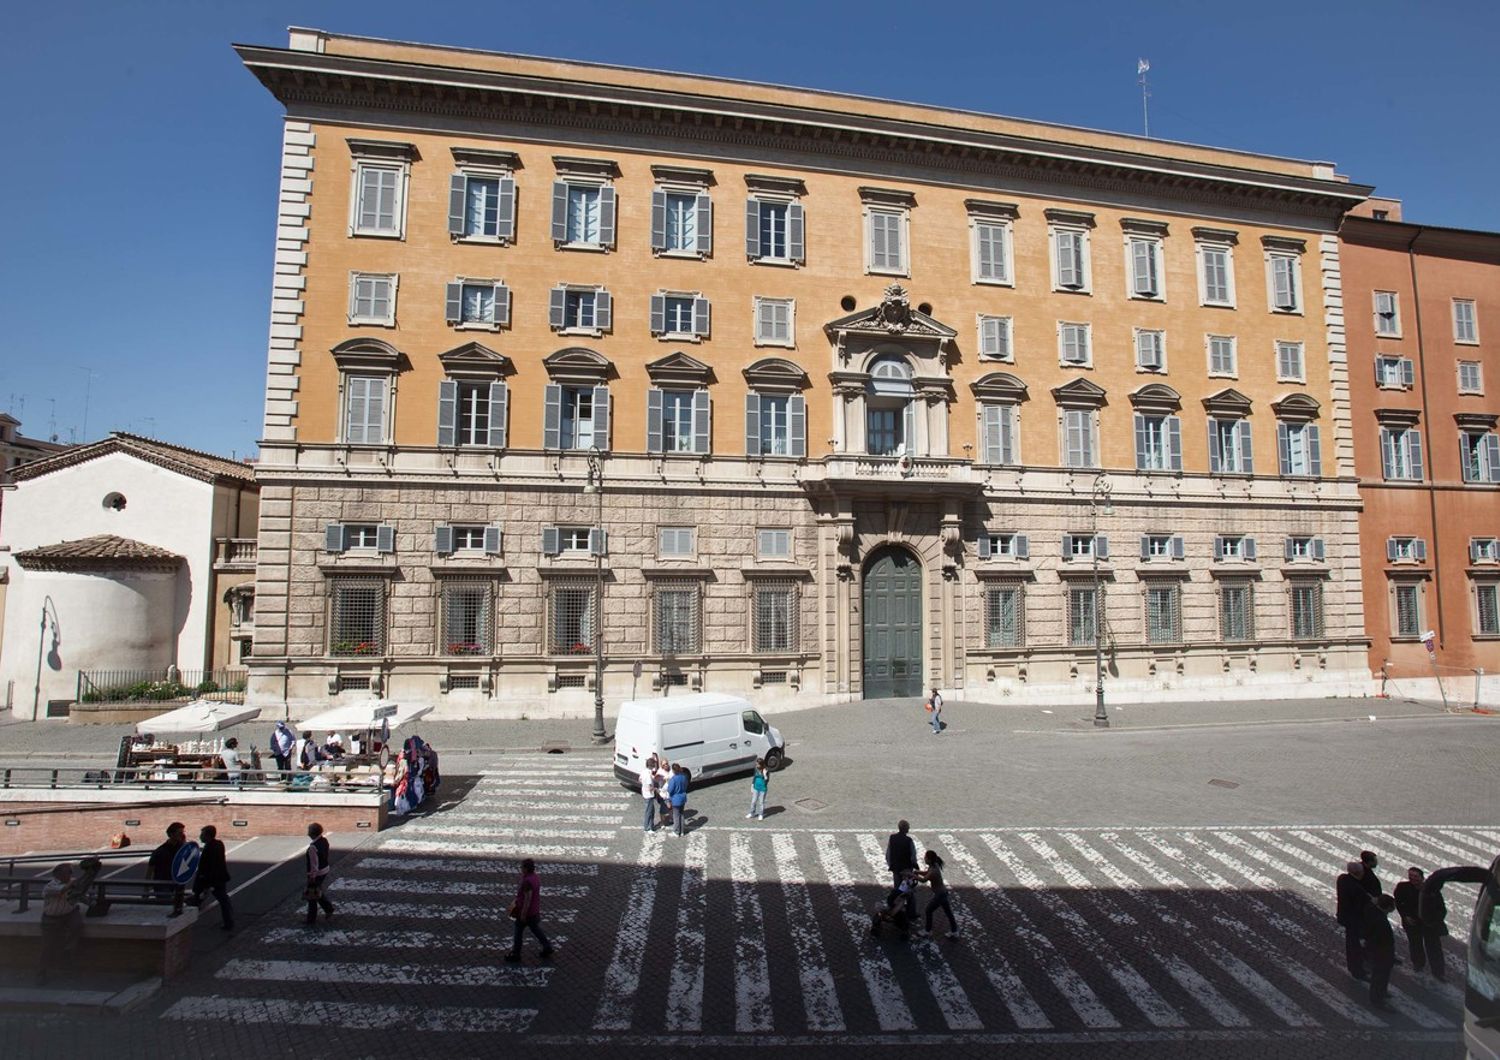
353	684
1408	609
1307	610
673	680
1163	614
467	623
571	619
677	621
570	681
775	618
463	682
356	622
1005	616
1236	611
1487	608
773	677
1082	613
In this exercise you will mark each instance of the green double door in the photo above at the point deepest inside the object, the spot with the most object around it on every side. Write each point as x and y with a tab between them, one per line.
893	625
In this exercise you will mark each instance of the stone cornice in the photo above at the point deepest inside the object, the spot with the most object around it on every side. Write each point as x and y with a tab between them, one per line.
308	79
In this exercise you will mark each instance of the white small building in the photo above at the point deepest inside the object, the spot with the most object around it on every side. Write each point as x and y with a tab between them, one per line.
108	557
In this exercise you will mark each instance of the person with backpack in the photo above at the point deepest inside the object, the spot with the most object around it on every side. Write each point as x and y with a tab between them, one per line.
934	707
760	783
317	875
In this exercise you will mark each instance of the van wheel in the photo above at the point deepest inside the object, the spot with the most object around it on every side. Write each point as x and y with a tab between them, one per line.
773	759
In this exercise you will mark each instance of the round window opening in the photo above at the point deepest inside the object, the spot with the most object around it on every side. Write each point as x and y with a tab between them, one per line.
848	303
115	502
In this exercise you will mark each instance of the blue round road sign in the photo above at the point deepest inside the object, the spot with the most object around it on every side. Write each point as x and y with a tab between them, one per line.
185	862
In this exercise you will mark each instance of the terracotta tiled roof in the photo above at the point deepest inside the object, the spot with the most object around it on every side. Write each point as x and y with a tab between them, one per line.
102	550
190	462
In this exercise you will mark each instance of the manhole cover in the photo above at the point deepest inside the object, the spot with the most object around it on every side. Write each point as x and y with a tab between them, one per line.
810	805
1217	783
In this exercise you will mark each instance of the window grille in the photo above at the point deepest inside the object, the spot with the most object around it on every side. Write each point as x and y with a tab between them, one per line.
677	621
773	677
1005	617
1082	615
1408	611
1163	614
353	684
570	681
1236	611
1307	610
673	680
356	623
775	617
463	682
467	624
572	619
1487	599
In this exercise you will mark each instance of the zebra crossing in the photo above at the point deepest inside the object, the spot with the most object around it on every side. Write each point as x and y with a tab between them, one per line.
761	933
421	927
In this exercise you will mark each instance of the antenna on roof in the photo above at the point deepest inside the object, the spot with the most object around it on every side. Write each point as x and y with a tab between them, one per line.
1142	67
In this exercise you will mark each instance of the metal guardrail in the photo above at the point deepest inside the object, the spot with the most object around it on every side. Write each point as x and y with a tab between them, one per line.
158	778
106	892
165	685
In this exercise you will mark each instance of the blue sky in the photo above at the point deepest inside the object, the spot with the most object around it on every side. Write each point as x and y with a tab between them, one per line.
135	262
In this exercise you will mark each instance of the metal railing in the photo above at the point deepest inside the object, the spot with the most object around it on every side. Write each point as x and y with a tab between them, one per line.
160	777
168	685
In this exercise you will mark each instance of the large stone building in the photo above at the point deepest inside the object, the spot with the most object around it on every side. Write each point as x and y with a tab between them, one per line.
1424	377
872	386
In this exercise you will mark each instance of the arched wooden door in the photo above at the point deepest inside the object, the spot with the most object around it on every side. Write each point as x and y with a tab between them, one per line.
893	625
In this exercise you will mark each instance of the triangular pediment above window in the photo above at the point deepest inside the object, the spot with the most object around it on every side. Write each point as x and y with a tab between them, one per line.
681	369
999	386
1228	402
474	358
1080	393
1156	396
369	353
776	373
894	315
577	364
1296	407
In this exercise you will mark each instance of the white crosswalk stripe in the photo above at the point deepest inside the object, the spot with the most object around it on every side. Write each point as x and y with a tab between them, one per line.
1224	930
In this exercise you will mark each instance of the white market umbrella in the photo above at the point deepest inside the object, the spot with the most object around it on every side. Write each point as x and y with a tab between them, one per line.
199	716
371	714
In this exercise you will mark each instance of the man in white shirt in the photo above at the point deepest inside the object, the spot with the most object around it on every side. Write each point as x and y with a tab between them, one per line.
648	792
230	754
62	922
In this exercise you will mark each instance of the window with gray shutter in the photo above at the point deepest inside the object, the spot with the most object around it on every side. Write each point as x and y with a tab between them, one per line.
560	211
752	229
601	417
700	317
797	424
552	417
994	338
333	538
796	250
1215	274
385	539
752	425
658	314
453	309
603	311
1284	295
701	421
1150	350
448	412
551	541
654	398
499	402
1069	254
658	220
606	216
442	542
457	195
991	263
1386	321
704	207
1143	270
1221	355
598	541
557	308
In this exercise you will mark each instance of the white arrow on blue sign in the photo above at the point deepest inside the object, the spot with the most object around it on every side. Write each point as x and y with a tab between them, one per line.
185	862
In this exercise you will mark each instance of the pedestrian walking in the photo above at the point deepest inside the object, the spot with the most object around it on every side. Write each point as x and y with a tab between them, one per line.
901	859
1351	899
317	875
62	921
1380	947
1369	880
677	796
935	709
933	877
649	793
1424	942
213	875
760	783
526	911
1433	911
283	740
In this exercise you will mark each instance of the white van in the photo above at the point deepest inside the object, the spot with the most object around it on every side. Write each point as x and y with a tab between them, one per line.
710	734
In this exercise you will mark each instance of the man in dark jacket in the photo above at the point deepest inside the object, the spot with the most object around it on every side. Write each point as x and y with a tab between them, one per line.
1352	899
159	866
213	874
1380	947
1370	881
901	859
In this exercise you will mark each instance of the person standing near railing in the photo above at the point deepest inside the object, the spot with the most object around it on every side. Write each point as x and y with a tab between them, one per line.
283	739
62	922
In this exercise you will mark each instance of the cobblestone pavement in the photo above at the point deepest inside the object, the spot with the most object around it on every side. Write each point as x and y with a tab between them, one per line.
1209	935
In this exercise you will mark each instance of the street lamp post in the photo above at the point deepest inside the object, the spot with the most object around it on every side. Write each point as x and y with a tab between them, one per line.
41	647
596	486
1098	497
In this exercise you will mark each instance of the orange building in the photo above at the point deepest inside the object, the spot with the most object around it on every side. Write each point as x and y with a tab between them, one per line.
1425	384
794	394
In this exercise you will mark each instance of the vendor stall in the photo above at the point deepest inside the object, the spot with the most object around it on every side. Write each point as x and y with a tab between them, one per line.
366	755
179	744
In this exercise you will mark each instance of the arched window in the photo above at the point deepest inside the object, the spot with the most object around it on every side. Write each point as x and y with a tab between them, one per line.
890	417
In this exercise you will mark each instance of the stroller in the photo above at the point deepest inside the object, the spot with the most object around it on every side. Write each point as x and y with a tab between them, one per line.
899	909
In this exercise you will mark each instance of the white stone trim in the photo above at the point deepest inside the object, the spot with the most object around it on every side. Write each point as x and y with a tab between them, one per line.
284	352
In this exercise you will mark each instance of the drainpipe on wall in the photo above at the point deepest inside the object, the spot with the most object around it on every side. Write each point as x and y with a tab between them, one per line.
1437	552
